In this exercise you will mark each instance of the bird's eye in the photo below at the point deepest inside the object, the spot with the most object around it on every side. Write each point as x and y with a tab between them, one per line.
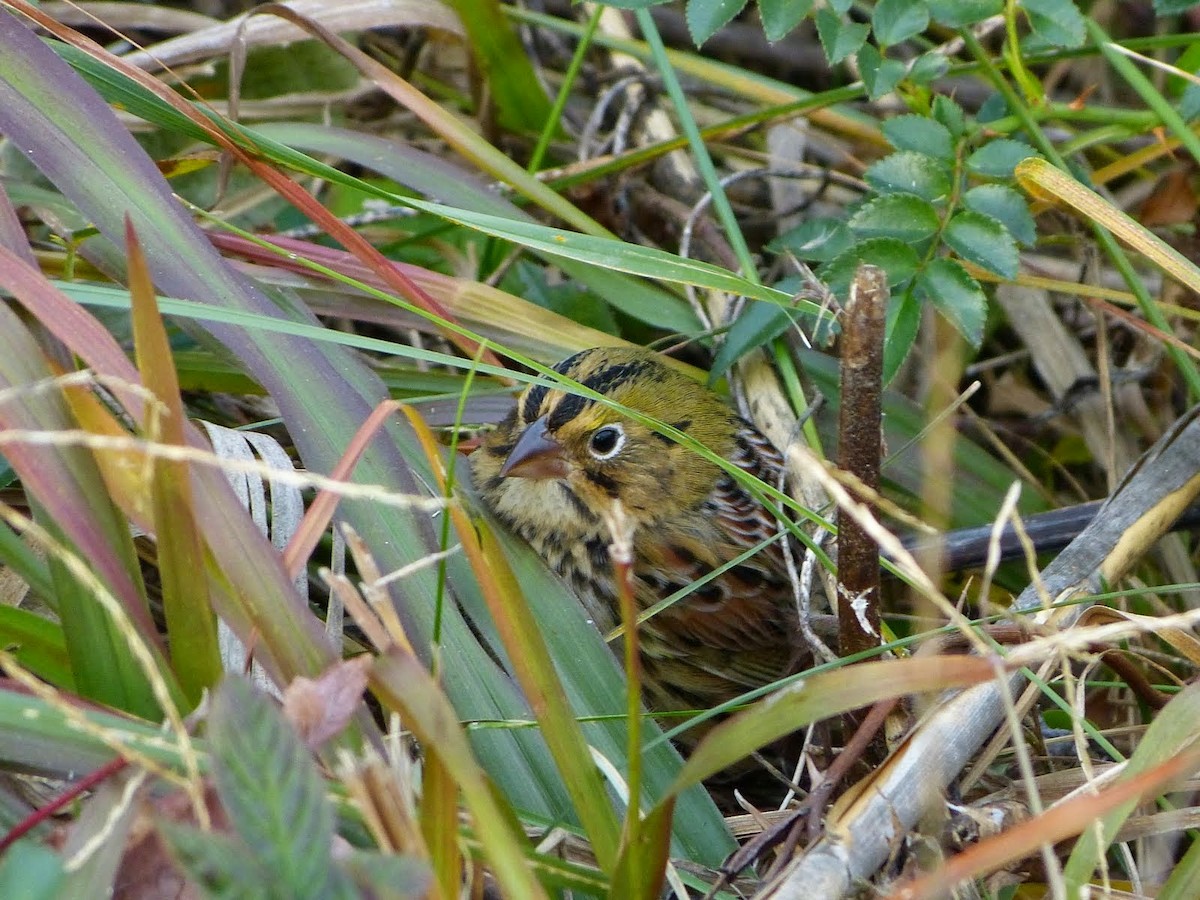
607	441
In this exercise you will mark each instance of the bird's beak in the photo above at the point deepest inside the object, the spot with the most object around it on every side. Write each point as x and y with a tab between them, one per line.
535	455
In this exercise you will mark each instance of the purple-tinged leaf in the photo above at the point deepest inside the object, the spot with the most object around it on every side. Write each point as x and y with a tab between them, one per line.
68	488
254	594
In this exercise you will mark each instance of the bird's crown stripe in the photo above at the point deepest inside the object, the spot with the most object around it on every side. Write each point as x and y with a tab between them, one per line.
533	402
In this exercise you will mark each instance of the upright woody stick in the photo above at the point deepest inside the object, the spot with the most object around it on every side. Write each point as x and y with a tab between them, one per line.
859	443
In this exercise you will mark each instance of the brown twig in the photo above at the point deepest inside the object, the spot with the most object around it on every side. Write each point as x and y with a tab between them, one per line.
859	445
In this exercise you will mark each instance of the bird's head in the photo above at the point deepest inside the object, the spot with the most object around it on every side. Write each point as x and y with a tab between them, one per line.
558	446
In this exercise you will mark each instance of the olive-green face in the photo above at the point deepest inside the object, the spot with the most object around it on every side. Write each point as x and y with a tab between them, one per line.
597	453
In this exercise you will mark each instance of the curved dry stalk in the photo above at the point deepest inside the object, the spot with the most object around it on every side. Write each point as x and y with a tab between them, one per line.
202	43
892	800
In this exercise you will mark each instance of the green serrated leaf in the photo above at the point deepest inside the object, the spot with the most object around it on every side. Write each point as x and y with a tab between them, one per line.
993	108
956	295
1058	22
270	788
950	114
879	75
903	322
907	172
779	17
927	67
706	17
984	241
998	158
905	217
957	13
1007	207
868	60
920	133
817	240
898	259
897	20
839	39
